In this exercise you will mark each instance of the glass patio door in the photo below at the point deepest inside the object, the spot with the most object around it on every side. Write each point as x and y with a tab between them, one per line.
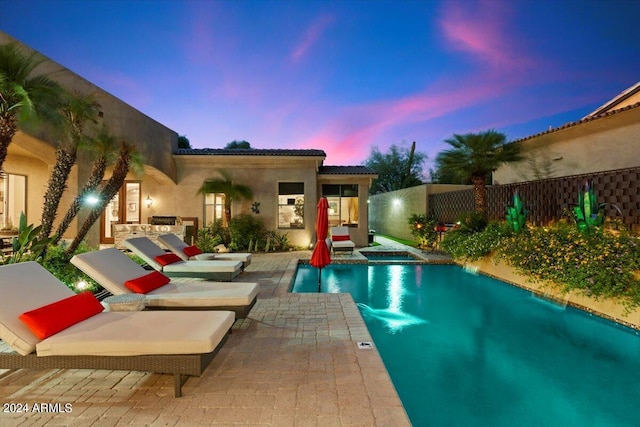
124	208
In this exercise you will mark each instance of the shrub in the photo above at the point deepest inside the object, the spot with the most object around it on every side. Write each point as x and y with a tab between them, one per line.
471	222
57	262
464	244
601	264
211	236
245	228
423	230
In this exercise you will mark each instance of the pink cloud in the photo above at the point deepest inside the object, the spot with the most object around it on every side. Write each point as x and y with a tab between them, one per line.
358	128
311	37
480	29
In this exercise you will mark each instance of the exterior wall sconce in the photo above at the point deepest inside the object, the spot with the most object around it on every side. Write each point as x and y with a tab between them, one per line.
148	201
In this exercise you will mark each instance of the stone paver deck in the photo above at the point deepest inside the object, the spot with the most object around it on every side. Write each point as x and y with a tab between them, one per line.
293	362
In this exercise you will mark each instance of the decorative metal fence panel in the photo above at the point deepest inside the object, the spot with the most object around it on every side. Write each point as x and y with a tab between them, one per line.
550	199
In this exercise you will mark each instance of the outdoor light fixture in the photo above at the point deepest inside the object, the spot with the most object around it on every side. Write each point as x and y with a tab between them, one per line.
81	285
397	202
148	201
92	199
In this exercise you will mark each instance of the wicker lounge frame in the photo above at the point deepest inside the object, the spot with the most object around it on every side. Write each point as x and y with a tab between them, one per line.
181	366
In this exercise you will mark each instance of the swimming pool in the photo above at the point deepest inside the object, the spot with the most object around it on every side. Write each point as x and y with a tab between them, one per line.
468	350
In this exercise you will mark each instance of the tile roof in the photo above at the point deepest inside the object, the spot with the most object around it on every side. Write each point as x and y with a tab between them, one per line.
345	170
579	122
625	94
249	152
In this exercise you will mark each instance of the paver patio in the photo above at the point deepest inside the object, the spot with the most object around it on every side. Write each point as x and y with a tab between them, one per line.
293	362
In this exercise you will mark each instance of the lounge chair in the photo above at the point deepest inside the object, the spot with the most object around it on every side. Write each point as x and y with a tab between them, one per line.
341	240
171	265
178	343
112	269
190	253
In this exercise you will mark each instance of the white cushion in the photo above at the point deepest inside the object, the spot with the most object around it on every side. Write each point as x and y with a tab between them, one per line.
177	245
203	267
203	294
110	268
24	287
137	333
340	231
147	250
343	244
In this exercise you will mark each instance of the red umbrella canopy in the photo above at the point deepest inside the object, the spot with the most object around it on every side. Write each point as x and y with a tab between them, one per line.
320	256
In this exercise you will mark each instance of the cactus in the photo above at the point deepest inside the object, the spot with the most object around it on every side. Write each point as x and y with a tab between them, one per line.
516	215
588	214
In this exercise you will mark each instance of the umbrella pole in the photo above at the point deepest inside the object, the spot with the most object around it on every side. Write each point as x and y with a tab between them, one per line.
319	280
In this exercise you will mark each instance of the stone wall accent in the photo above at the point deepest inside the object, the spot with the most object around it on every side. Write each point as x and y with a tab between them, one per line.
122	232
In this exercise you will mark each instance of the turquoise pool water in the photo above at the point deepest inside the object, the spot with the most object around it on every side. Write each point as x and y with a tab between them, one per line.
468	350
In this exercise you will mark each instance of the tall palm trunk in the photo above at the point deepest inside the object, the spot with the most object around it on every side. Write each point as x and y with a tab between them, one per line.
8	128
109	190
65	159
97	175
479	193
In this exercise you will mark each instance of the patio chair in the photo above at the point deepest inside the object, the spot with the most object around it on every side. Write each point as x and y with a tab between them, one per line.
48	326
341	240
171	265
117	273
188	253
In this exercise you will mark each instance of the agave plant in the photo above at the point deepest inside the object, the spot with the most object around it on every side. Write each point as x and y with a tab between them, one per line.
516	215
26	246
588	214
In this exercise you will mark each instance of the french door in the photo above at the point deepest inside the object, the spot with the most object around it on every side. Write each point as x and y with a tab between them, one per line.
124	208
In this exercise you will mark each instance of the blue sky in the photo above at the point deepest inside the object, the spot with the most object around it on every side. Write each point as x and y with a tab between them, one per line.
343	76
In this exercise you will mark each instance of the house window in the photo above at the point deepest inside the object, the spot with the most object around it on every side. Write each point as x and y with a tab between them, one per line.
343	204
291	205
13	196
213	207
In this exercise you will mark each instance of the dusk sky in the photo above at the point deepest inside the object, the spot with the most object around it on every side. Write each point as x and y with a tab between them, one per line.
343	76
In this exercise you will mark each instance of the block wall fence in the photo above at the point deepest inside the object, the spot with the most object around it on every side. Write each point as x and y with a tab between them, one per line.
548	199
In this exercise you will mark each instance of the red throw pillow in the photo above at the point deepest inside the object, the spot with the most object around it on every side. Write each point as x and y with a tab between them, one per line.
55	317
192	251
167	259
147	283
340	238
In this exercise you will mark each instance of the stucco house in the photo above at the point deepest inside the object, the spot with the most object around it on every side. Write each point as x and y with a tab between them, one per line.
606	139
286	184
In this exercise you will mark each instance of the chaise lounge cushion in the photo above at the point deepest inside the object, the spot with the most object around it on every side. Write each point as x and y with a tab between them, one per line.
147	283
132	333
179	247
341	239
14	283
57	316
149	251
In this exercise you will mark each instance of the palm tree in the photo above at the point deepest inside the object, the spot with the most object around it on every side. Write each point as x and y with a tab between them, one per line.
21	95
104	149
226	186
77	109
127	157
475	156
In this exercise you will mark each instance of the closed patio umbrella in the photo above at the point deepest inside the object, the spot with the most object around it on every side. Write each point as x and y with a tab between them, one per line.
320	257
